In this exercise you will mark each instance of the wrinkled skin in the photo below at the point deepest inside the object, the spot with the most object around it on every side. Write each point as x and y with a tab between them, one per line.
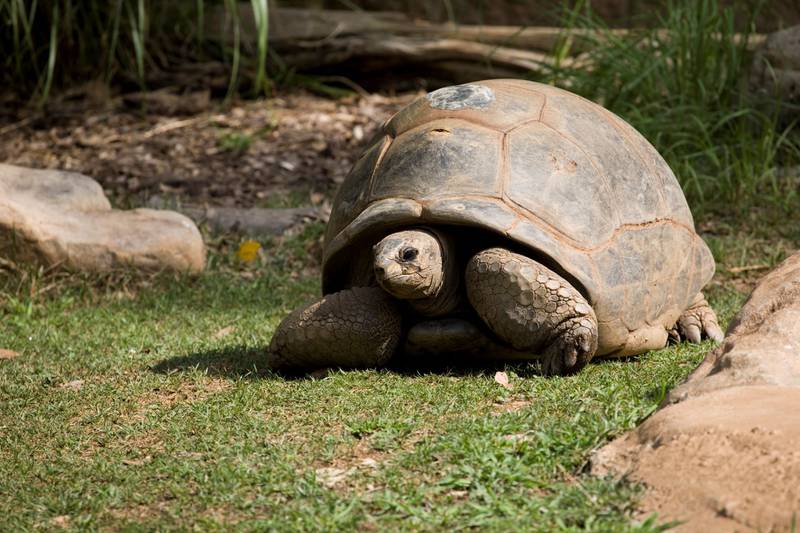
409	264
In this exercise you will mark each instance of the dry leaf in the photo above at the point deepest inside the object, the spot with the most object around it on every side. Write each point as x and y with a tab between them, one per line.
74	385
509	406
61	521
330	476
224	332
502	379
248	251
370	462
8	354
518	437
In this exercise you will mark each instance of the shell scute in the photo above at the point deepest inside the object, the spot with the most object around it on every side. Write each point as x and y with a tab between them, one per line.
556	181
353	194
638	189
443	157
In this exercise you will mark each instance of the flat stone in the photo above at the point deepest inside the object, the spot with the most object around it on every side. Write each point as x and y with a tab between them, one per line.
721	453
252	221
63	219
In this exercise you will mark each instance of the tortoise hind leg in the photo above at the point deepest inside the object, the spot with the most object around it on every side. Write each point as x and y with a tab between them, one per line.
697	322
532	308
359	327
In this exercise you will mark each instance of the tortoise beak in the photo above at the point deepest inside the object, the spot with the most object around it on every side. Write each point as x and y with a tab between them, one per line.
386	269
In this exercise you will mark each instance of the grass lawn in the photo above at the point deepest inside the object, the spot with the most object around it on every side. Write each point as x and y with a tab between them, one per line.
142	405
145	405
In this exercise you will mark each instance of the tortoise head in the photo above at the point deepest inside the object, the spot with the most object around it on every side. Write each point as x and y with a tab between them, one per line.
410	264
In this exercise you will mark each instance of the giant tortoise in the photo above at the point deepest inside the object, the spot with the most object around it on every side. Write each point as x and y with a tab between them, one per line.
504	219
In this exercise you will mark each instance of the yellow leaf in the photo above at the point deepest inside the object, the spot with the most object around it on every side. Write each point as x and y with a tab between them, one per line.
248	251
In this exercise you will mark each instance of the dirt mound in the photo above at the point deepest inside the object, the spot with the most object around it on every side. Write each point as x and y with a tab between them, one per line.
721	454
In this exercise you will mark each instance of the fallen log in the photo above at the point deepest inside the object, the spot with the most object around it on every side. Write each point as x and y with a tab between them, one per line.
357	42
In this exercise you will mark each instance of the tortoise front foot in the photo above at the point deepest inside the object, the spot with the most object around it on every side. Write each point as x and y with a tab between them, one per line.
697	322
359	327
532	308
573	347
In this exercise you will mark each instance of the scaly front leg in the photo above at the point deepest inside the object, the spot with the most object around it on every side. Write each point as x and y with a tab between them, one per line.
358	327
532	308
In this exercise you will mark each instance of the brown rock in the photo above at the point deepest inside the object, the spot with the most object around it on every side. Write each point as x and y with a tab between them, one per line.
762	345
721	454
56	218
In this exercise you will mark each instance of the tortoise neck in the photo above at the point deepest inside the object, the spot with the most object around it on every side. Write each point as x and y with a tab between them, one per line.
444	298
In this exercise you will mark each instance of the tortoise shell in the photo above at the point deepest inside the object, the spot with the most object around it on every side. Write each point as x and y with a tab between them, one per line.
541	167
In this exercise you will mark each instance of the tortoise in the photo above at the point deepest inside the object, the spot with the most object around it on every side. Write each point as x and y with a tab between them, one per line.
506	219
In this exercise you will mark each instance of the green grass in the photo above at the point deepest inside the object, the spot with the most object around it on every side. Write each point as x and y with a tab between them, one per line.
683	85
145	404
61	43
142	405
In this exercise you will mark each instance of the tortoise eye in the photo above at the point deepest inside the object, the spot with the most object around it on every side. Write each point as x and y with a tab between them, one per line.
408	254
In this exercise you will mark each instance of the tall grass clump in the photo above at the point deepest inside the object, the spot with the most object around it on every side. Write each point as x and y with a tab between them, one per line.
683	84
56	43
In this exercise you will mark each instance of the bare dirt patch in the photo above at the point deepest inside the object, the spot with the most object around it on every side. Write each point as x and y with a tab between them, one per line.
356	459
724	461
186	392
509	406
244	155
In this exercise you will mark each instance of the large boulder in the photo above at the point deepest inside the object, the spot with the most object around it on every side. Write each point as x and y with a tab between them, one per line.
721	454
54	218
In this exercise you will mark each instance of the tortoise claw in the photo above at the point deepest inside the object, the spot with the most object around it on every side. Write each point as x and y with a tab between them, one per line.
699	321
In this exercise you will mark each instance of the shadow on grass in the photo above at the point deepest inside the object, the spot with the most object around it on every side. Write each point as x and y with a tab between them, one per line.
455	366
232	362
239	362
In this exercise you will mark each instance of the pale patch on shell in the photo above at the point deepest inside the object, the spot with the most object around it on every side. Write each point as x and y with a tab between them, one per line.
455	97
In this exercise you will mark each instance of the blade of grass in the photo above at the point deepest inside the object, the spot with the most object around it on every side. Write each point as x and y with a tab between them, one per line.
200	6
138	39
231	6
51	59
112	48
261	13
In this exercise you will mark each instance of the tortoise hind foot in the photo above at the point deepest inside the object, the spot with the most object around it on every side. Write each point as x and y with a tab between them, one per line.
532	308
358	327
697	322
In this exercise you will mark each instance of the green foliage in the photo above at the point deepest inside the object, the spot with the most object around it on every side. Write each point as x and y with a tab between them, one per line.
235	142
59	42
682	84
